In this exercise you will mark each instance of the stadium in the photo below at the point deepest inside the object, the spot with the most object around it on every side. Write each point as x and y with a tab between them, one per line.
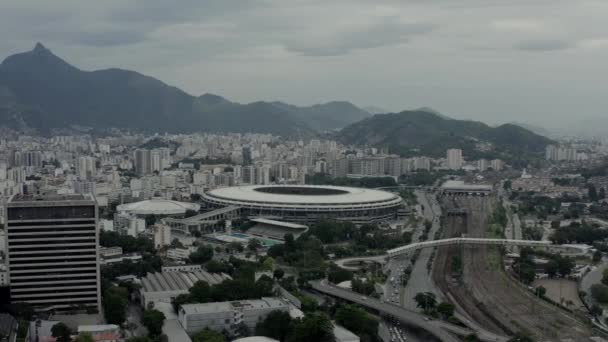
307	203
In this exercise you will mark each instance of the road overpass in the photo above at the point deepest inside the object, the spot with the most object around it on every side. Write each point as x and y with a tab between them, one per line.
443	331
405	250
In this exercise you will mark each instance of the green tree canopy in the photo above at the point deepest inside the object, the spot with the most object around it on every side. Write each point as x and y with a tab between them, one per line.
61	332
153	321
314	326
202	255
276	325
426	301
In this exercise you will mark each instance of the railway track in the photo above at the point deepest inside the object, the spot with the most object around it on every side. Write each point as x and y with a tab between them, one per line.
487	294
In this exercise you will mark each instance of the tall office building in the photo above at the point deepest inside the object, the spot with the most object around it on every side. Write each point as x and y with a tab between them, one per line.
143	161
52	251
454	156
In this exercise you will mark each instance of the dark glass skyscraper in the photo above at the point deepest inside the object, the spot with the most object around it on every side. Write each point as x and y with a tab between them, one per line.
52	248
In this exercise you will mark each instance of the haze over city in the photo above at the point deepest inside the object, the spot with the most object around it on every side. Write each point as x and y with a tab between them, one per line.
496	61
303	171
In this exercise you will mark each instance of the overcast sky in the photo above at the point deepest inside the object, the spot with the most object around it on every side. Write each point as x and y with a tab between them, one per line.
539	61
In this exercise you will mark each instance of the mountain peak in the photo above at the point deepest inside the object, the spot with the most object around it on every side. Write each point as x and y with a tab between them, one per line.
212	99
40	48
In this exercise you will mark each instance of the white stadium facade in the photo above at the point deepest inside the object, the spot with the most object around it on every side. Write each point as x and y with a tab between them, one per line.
307	203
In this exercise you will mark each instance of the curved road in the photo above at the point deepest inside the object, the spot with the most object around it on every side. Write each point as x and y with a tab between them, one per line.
440	329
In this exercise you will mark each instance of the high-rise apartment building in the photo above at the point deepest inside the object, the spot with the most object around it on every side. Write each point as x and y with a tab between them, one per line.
52	251
86	167
454	156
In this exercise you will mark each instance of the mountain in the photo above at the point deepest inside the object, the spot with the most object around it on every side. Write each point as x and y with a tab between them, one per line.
424	132
327	116
375	110
534	128
40	90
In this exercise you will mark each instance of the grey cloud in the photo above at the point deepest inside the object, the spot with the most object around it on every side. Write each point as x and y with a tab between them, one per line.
107	38
544	45
383	33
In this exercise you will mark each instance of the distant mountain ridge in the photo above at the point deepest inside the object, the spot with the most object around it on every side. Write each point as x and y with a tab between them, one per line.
432	134
40	90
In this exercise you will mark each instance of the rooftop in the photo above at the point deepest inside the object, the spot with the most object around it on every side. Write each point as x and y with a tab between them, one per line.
307	194
279	223
49	199
158	206
460	185
178	281
266	302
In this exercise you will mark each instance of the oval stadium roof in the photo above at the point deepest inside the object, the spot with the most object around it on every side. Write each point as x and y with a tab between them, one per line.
158	207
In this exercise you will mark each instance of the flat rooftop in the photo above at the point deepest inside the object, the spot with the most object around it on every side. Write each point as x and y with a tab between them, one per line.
50	199
206	308
460	185
279	223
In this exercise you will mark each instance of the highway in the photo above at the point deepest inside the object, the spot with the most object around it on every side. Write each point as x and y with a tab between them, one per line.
440	329
420	278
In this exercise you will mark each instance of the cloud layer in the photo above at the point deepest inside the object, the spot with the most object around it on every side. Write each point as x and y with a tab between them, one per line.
501	60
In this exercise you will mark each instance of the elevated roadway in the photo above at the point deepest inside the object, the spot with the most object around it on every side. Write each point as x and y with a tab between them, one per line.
405	250
443	331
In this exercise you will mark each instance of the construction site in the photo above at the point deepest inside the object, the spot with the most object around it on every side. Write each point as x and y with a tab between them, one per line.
474	279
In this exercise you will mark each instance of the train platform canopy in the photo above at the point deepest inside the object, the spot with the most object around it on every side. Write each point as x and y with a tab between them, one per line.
276	229
460	186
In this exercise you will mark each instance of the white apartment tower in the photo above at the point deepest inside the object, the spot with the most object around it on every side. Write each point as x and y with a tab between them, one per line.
454	156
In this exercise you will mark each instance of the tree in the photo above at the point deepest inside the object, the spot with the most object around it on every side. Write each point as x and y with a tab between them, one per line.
540	291
597	255
115	303
592	191
357	320
61	332
605	277
200	292
600	292
278	274
336	274
446	310
426	301
602	193
268	264
207	335
289	242
276	325
202	255
84	337
507	185
315	326
254	244
595	310
236	247
180	300
153	321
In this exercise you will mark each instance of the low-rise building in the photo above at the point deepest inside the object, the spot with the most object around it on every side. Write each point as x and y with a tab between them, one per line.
165	286
228	315
102	333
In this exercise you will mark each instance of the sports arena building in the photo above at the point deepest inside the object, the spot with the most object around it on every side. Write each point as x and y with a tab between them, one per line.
307	203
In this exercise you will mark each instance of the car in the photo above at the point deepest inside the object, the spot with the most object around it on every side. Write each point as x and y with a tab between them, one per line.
363	298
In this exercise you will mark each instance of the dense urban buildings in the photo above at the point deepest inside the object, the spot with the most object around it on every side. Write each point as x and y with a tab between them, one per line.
52	245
